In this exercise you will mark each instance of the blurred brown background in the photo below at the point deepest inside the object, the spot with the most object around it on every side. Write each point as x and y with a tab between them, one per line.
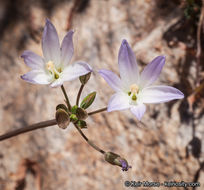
166	146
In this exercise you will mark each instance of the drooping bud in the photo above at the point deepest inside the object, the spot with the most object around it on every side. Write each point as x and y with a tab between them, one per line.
115	159
61	106
111	157
88	100
81	113
81	124
124	164
84	79
62	118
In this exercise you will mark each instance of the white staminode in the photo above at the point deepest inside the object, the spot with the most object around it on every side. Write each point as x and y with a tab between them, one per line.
134	89
50	66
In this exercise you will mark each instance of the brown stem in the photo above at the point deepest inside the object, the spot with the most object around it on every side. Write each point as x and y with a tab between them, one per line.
43	125
66	97
97	111
28	128
88	141
79	94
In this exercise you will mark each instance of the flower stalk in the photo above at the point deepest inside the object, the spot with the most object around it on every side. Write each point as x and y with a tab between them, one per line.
79	94
97	111
26	129
89	141
40	125
66	98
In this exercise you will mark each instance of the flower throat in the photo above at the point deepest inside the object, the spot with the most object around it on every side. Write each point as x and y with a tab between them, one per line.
134	89
52	69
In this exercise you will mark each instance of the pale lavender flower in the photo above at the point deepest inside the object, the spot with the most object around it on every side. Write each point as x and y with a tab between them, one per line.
54	68
133	89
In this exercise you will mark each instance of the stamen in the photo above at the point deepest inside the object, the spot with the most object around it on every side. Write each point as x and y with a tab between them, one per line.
56	76
134	97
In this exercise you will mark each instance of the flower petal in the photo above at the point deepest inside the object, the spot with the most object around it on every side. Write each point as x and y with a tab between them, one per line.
111	78
57	83
127	64
50	43
138	111
67	48
158	94
37	77
33	60
75	70
119	101
152	71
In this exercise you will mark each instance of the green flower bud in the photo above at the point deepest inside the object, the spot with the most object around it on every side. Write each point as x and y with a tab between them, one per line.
74	108
81	124
62	106
81	113
88	100
62	118
84	79
115	159
73	117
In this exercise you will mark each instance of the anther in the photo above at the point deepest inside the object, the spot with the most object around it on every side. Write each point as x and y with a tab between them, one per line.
134	98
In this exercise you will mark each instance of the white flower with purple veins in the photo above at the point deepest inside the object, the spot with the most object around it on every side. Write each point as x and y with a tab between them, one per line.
55	67
133	89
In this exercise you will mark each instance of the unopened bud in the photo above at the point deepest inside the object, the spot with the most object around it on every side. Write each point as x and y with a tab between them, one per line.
84	79
73	117
81	124
115	159
74	108
62	106
62	118
81	113
111	157
88	100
